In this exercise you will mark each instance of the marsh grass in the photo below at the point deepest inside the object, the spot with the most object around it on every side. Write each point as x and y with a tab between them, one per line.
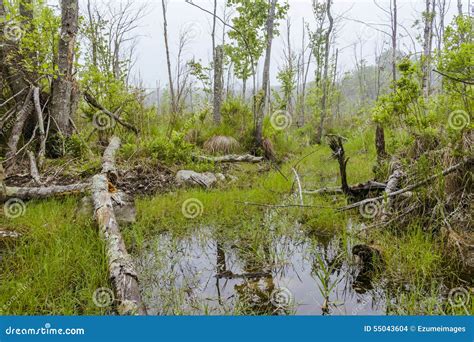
58	263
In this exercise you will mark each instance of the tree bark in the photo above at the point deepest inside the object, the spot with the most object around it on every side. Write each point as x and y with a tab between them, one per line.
108	160
218	73
34	168
427	47
260	113
324	98
392	185
63	101
122	270
44	192
380	142
459	7
17	130
173	103
42	134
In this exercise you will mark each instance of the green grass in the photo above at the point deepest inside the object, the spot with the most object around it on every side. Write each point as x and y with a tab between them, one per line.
56	265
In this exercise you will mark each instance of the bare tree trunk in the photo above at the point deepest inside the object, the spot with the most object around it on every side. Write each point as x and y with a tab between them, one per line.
17	130
394	19
427	47
173	103
42	134
459	7
218	77
266	76
64	95
324	98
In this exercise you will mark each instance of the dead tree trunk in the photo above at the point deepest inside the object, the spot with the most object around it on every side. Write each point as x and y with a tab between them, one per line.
64	96
42	134
324	99
173	103
121	267
380	142
428	17
266	76
17	130
218	70
338	153
392	186
44	192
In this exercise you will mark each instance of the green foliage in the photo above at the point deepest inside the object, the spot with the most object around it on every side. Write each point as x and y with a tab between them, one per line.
236	113
249	34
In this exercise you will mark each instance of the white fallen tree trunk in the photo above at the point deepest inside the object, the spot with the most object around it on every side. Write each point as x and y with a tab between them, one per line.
231	158
122	271
9	234
27	193
108	159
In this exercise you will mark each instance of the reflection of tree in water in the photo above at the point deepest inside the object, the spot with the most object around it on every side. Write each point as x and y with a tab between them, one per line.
257	281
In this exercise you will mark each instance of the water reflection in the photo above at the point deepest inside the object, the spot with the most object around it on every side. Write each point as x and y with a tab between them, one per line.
201	275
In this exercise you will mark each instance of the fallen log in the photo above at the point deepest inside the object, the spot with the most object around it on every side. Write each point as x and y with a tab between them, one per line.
122	271
26	193
9	234
408	188
108	159
231	158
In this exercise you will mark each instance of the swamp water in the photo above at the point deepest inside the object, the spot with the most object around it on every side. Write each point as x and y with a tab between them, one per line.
301	274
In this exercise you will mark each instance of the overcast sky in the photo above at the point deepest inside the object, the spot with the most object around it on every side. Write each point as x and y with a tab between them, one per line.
151	62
